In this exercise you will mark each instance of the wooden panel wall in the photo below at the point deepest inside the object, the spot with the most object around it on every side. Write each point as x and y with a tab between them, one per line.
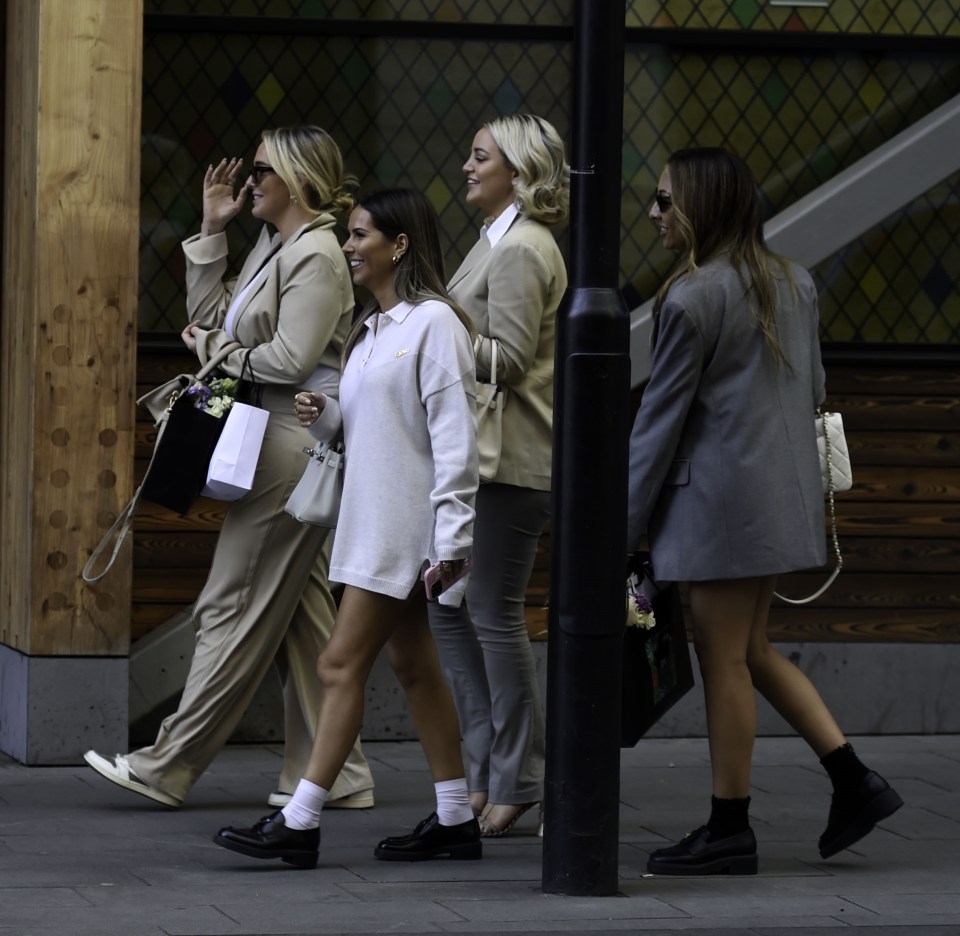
899	527
70	223
900	524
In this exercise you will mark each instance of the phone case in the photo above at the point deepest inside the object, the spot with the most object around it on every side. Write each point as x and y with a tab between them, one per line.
436	583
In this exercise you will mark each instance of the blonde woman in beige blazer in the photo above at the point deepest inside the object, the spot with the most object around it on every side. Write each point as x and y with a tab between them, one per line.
510	284
267	598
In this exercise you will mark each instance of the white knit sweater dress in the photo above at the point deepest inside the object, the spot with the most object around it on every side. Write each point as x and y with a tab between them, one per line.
407	408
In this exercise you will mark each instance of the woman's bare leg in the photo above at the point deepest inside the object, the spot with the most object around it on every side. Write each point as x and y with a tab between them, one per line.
413	656
723	617
364	624
788	689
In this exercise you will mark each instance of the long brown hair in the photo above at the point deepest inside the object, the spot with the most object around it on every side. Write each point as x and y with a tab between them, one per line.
717	210
419	272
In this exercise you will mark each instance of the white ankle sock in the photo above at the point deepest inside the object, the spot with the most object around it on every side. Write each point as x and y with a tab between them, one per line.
303	811
453	802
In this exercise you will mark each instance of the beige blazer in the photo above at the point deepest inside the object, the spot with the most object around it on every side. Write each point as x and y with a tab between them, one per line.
295	317
512	292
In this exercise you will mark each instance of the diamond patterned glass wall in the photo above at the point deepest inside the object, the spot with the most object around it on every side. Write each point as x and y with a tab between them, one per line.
898	283
797	121
884	17
888	17
516	12
404	111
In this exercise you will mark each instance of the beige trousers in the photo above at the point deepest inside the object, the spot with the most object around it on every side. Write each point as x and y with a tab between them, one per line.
267	599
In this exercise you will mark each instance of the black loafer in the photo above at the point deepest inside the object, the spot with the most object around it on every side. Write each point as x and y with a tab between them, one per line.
270	838
853	815
432	840
696	854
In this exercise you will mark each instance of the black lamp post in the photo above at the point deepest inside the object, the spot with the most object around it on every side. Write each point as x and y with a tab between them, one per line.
591	430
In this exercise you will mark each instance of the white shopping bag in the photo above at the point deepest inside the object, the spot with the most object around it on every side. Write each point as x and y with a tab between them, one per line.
235	458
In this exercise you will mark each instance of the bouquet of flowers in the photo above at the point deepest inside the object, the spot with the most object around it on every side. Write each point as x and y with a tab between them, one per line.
216	396
639	608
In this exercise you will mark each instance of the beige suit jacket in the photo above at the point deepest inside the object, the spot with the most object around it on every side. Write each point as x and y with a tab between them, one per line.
295	317
511	292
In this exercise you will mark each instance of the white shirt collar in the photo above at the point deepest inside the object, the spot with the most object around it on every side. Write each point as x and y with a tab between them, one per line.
501	224
398	313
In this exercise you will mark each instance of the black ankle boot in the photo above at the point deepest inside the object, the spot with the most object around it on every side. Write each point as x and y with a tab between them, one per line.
728	817
855	811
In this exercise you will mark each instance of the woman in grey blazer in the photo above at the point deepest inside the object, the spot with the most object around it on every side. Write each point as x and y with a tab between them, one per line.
510	284
267	598
725	483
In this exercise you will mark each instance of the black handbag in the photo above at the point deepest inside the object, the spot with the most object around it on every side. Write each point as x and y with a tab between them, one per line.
186	438
185	444
657	671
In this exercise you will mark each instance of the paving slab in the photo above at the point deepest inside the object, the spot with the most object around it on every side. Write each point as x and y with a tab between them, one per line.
79	856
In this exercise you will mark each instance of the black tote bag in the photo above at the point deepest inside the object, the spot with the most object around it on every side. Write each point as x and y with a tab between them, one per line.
182	456
186	438
657	671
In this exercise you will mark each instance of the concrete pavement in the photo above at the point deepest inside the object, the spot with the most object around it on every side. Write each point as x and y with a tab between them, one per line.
79	856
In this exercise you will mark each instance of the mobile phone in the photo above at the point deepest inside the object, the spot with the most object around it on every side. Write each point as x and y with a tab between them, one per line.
436	583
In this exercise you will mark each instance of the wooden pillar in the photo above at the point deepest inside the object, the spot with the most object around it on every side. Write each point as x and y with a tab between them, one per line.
67	357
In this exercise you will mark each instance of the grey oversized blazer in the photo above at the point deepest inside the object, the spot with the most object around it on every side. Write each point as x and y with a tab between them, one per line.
724	471
511	292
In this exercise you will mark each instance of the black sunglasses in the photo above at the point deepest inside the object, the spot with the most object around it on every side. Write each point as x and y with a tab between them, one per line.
258	172
664	201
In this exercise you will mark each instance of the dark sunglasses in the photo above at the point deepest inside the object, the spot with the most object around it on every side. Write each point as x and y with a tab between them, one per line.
258	172
664	201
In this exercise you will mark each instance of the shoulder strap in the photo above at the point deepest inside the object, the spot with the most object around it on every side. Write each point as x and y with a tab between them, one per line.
122	525
833	531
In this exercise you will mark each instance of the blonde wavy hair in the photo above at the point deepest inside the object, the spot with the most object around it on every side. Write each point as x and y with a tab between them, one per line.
533	149
309	161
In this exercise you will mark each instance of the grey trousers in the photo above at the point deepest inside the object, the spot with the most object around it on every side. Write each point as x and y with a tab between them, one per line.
267	599
485	651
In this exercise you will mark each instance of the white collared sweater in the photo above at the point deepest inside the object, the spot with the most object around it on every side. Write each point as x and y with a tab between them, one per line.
408	412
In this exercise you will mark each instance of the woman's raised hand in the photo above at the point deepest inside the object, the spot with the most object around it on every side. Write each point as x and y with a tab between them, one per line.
219	203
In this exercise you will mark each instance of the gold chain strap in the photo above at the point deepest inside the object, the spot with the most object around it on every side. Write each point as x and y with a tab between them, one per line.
833	523
833	509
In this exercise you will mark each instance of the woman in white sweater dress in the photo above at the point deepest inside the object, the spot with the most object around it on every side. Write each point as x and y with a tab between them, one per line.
407	412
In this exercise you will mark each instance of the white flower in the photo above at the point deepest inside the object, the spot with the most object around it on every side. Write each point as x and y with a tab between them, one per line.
639	609
215	397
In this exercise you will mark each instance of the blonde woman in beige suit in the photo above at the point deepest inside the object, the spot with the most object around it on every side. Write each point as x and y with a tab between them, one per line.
267	598
510	284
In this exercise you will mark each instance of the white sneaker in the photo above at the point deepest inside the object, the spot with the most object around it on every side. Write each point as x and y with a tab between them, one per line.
118	771
362	799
